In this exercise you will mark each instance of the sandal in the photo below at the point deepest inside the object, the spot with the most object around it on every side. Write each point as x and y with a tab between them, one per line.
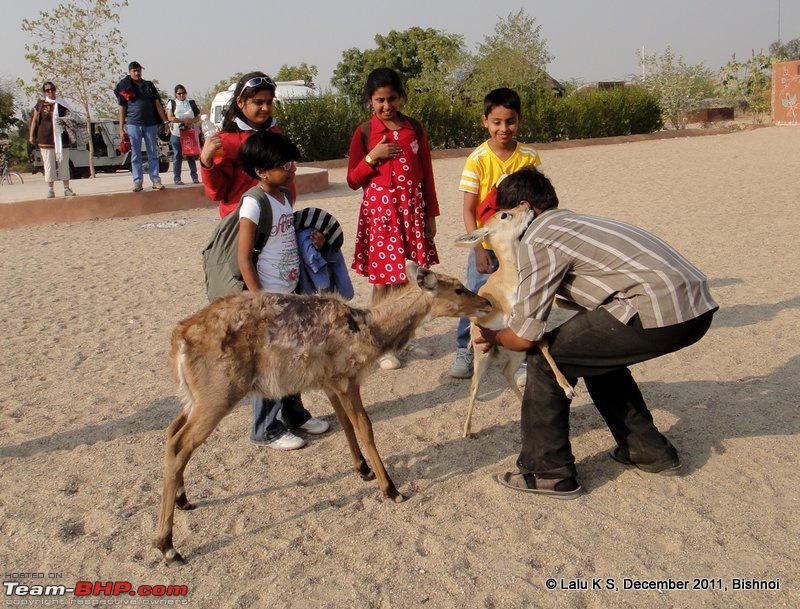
665	469
559	488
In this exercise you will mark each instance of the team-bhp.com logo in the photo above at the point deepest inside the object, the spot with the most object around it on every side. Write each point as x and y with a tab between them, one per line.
17	593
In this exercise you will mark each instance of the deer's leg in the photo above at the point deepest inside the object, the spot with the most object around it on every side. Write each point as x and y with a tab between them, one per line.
360	464
354	407
181	502
480	364
184	436
515	358
562	381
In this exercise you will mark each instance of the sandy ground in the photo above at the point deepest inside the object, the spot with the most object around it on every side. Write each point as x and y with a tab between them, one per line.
87	310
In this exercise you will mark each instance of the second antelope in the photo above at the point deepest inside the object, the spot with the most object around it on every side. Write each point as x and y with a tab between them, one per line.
502	231
279	344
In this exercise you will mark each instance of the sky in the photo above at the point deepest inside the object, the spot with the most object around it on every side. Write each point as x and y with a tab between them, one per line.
199	42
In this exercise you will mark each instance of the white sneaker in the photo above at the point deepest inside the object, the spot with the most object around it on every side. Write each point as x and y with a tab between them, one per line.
414	348
315	426
461	368
389	361
287	441
521	376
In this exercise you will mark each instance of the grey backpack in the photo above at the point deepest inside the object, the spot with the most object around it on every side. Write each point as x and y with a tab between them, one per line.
220	256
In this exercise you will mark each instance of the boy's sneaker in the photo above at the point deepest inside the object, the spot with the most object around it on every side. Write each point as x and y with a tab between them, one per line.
137	187
287	441
315	426
68	192
521	375
178	182
461	368
158	186
389	361
195	181
51	193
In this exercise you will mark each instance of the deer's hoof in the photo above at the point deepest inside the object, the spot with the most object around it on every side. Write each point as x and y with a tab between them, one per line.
399	498
171	557
570	394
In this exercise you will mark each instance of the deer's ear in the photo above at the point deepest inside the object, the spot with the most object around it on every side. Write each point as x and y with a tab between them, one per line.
427	279
412	269
471	239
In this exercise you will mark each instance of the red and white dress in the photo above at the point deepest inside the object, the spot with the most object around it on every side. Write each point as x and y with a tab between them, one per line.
399	196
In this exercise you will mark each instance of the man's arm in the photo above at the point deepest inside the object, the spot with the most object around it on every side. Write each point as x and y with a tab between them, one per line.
121	117
504	338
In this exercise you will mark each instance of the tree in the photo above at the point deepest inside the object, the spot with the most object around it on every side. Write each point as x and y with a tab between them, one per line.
748	83
79	46
679	88
303	72
787	51
7	120
514	56
413	53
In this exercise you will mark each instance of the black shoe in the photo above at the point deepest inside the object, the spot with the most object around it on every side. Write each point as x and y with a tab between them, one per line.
561	488
665	468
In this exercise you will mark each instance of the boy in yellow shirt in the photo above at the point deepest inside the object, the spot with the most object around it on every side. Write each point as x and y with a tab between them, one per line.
498	156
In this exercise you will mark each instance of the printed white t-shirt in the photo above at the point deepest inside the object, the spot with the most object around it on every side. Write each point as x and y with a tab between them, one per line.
278	263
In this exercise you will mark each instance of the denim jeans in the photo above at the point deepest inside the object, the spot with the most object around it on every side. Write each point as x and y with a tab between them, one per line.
150	136
266	424
177	160
596	346
475	281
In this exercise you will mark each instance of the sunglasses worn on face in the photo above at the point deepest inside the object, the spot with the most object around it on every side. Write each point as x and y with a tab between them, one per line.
49	90
181	93
259	80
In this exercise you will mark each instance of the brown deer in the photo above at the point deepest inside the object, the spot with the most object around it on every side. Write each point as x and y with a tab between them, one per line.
503	231
280	344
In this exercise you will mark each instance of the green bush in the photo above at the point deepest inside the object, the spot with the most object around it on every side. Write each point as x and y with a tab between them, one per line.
323	127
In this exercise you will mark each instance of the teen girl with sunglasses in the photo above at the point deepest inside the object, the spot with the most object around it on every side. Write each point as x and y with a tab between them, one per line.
250	110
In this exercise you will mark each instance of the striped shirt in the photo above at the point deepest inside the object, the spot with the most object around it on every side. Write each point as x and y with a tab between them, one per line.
599	262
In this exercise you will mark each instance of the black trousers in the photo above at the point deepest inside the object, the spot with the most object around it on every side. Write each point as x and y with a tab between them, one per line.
597	347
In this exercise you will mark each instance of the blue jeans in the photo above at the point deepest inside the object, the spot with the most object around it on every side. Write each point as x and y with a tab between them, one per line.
150	136
475	281
177	160
266	424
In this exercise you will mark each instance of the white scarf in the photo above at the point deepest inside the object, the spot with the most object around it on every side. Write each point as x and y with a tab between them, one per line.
58	128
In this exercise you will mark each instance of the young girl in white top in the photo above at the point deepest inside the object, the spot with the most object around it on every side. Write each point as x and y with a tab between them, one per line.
271	159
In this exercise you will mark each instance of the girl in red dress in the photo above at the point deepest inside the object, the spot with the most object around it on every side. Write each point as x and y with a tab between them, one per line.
391	160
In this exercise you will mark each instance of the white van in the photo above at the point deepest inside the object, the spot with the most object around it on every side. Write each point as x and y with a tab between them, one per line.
285	90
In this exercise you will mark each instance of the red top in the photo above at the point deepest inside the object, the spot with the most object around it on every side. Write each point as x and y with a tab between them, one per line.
420	169
226	180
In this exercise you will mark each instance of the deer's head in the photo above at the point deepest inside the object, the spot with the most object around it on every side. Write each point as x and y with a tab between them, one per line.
505	226
450	297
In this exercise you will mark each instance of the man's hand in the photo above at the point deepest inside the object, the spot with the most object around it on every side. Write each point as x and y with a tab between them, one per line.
483	263
488	339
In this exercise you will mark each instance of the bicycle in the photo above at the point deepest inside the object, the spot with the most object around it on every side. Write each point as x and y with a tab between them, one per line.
9	177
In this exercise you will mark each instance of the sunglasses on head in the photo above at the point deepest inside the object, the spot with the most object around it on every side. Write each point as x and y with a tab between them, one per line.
259	80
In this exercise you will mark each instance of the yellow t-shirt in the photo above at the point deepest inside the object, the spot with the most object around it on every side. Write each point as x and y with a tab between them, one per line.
483	168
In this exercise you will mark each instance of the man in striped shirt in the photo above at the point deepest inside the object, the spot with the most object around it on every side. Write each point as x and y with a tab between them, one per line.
639	299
